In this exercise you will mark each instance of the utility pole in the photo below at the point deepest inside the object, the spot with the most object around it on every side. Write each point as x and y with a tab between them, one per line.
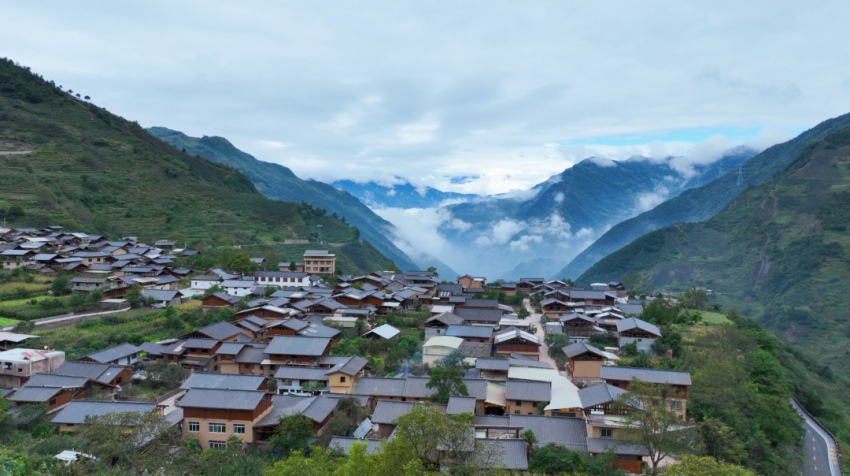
319	228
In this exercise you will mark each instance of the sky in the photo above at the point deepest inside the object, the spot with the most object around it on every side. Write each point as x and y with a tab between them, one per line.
504	94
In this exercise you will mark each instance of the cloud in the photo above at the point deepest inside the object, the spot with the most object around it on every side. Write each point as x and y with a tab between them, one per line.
649	200
559	197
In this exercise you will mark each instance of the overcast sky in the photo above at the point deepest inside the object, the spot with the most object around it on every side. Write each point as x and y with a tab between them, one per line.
502	94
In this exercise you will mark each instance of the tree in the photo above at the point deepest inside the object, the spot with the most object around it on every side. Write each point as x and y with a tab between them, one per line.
530	440
293	434
522	313
347	416
433	269
704	466
447	378
167	374
694	298
556	342
651	423
313	386
319	463
555	459
293	266
61	285
134	296
136	443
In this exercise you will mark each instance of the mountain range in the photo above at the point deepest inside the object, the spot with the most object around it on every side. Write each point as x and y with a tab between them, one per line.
702	202
537	232
401	195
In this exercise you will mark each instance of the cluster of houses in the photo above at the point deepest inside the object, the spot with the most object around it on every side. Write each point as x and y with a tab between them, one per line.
273	359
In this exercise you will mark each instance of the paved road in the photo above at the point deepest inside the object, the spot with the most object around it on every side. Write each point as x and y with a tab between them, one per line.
534	318
65	320
820	456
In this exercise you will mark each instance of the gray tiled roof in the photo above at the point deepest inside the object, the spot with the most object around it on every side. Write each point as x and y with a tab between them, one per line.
635	323
230	348
160	294
481	332
152	348
492	364
344	444
460	405
580	348
598	394
476	350
53	380
446	318
284	405
114	353
386	387
321	408
386	411
569	432
298	345
511	454
82	369
77	411
219	330
223	381
198	343
416	387
301	373
252	355
528	391
34	394
481	315
319	331
600	445
221	399
352	366
669	377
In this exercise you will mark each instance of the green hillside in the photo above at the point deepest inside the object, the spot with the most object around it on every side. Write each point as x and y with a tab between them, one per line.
279	183
91	170
779	252
702	203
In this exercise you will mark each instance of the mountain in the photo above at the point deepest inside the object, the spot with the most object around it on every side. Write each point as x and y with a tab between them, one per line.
90	170
280	183
529	231
402	195
779	252
704	202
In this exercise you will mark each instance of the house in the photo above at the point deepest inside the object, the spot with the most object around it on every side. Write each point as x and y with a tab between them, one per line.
220	381
55	391
122	354
527	285
75	414
584	361
218	300
13	259
482	334
439	324
513	340
86	284
238	288
282	279
221	331
205	281
19	365
476	315
523	397
638	332
492	369
9	340
579	326
107	374
214	415
343	374
319	262
470	282
386	415
292	378
621	377
383	332
437	348
162	298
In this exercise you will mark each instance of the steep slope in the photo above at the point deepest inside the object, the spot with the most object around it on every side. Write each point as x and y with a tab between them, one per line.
279	183
402	195
703	202
94	171
780	250
554	220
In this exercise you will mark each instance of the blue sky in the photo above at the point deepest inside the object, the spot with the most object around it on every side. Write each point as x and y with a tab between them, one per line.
508	92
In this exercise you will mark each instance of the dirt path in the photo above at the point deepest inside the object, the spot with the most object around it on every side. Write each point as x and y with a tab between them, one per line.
534	318
64	320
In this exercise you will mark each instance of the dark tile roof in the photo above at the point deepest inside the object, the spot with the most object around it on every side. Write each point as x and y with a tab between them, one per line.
82	369
387	387
34	394
476	350
344	444
510	454
669	377
528	391
223	381
221	399
601	445
114	353
386	411
252	355
219	330
198	343
77	411
482	332
460	405
480	315
352	366
446	318
298	345
598	394
301	373
580	348
230	348
492	364
53	380
569	432
319	330
635	323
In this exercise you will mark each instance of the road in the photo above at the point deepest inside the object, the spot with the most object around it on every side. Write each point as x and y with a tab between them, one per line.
65	320
534	318
820	455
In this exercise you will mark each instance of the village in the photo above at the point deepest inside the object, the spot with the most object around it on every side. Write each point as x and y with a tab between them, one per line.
533	357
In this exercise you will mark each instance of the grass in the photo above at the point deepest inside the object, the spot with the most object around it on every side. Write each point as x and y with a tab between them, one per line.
5	321
710	318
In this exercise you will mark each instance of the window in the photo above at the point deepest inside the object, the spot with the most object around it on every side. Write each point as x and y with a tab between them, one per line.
342	380
519	403
516	412
218	427
52	402
238	429
676	405
607	432
7	366
194	426
218	445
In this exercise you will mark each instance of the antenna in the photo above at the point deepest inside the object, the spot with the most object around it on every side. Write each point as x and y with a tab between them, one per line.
740	175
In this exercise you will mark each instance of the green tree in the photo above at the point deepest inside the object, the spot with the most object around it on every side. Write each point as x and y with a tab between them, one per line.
522	313
694	298
134	296
61	285
651	422
447	378
690	465
166	374
293	434
556	342
319	463
347	416
554	459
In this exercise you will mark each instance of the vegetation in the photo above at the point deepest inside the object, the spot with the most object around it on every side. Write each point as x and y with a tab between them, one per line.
554	459
447	378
